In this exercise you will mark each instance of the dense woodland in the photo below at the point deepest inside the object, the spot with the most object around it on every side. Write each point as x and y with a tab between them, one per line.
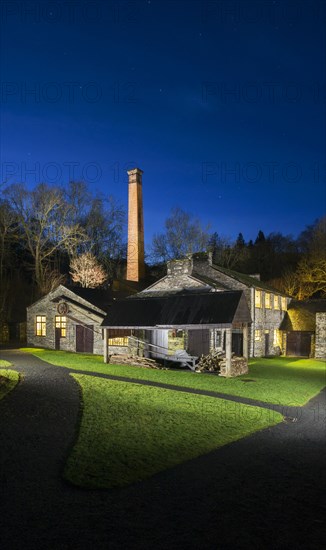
51	235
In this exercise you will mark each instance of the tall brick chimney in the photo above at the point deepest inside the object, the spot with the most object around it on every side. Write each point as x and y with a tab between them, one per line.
135	252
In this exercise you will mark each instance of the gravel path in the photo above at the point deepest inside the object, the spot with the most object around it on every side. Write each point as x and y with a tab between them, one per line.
265	491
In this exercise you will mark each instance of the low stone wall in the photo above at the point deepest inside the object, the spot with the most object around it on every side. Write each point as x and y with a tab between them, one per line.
239	366
320	341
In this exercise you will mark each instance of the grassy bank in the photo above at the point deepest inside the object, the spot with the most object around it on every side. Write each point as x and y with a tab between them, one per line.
129	431
8	378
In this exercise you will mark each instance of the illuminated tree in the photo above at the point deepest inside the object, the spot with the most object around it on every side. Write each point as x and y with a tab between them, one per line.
311	274
87	271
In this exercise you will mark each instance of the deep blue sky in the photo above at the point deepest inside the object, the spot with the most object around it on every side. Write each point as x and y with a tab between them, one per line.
221	103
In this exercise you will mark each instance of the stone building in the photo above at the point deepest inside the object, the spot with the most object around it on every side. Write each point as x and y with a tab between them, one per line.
304	329
196	313
267	306
69	319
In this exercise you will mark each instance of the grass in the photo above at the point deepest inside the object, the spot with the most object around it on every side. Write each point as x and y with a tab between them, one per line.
281	380
129	431
4	363
8	378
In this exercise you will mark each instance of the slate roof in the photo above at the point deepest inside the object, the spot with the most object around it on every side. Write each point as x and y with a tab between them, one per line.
209	281
301	316
185	309
247	280
100	298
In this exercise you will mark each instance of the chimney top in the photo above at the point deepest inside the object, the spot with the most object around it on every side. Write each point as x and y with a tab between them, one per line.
134	171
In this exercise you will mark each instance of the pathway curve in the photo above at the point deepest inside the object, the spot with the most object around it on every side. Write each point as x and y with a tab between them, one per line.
264	491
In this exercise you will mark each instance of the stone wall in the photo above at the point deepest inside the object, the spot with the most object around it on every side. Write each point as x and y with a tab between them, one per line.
266	321
239	366
320	340
178	277
202	266
77	315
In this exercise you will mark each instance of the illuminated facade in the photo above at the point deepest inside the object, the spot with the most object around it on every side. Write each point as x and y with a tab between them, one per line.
267	306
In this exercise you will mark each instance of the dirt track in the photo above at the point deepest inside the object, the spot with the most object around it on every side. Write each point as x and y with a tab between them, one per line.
265	491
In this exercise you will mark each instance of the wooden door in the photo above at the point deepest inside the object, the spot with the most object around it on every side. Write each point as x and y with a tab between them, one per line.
298	343
84	338
198	342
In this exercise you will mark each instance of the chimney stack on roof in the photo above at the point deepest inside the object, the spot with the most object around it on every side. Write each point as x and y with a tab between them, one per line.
135	252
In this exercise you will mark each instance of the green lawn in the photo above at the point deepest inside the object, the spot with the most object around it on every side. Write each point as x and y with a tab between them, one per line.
281	380
8	378
129	432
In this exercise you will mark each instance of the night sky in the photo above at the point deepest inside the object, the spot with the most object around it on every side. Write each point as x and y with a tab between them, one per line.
220	103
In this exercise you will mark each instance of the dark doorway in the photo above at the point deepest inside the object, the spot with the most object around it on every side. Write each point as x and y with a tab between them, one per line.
84	338
298	343
198	342
57	338
237	343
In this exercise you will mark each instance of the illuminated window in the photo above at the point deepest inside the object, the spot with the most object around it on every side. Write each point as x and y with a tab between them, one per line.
118	337
284	303
268	304
276	338
61	323
257	298
276	302
40	325
258	335
118	341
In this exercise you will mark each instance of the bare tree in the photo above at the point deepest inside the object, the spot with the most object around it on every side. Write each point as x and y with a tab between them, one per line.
8	231
183	235
87	271
42	216
103	220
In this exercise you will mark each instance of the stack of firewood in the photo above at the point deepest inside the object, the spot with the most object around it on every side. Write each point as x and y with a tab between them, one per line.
211	362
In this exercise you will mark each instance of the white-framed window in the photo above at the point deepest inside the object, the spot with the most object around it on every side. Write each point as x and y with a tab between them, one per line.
40	325
61	323
276	301
258	298
218	339
257	335
268	302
